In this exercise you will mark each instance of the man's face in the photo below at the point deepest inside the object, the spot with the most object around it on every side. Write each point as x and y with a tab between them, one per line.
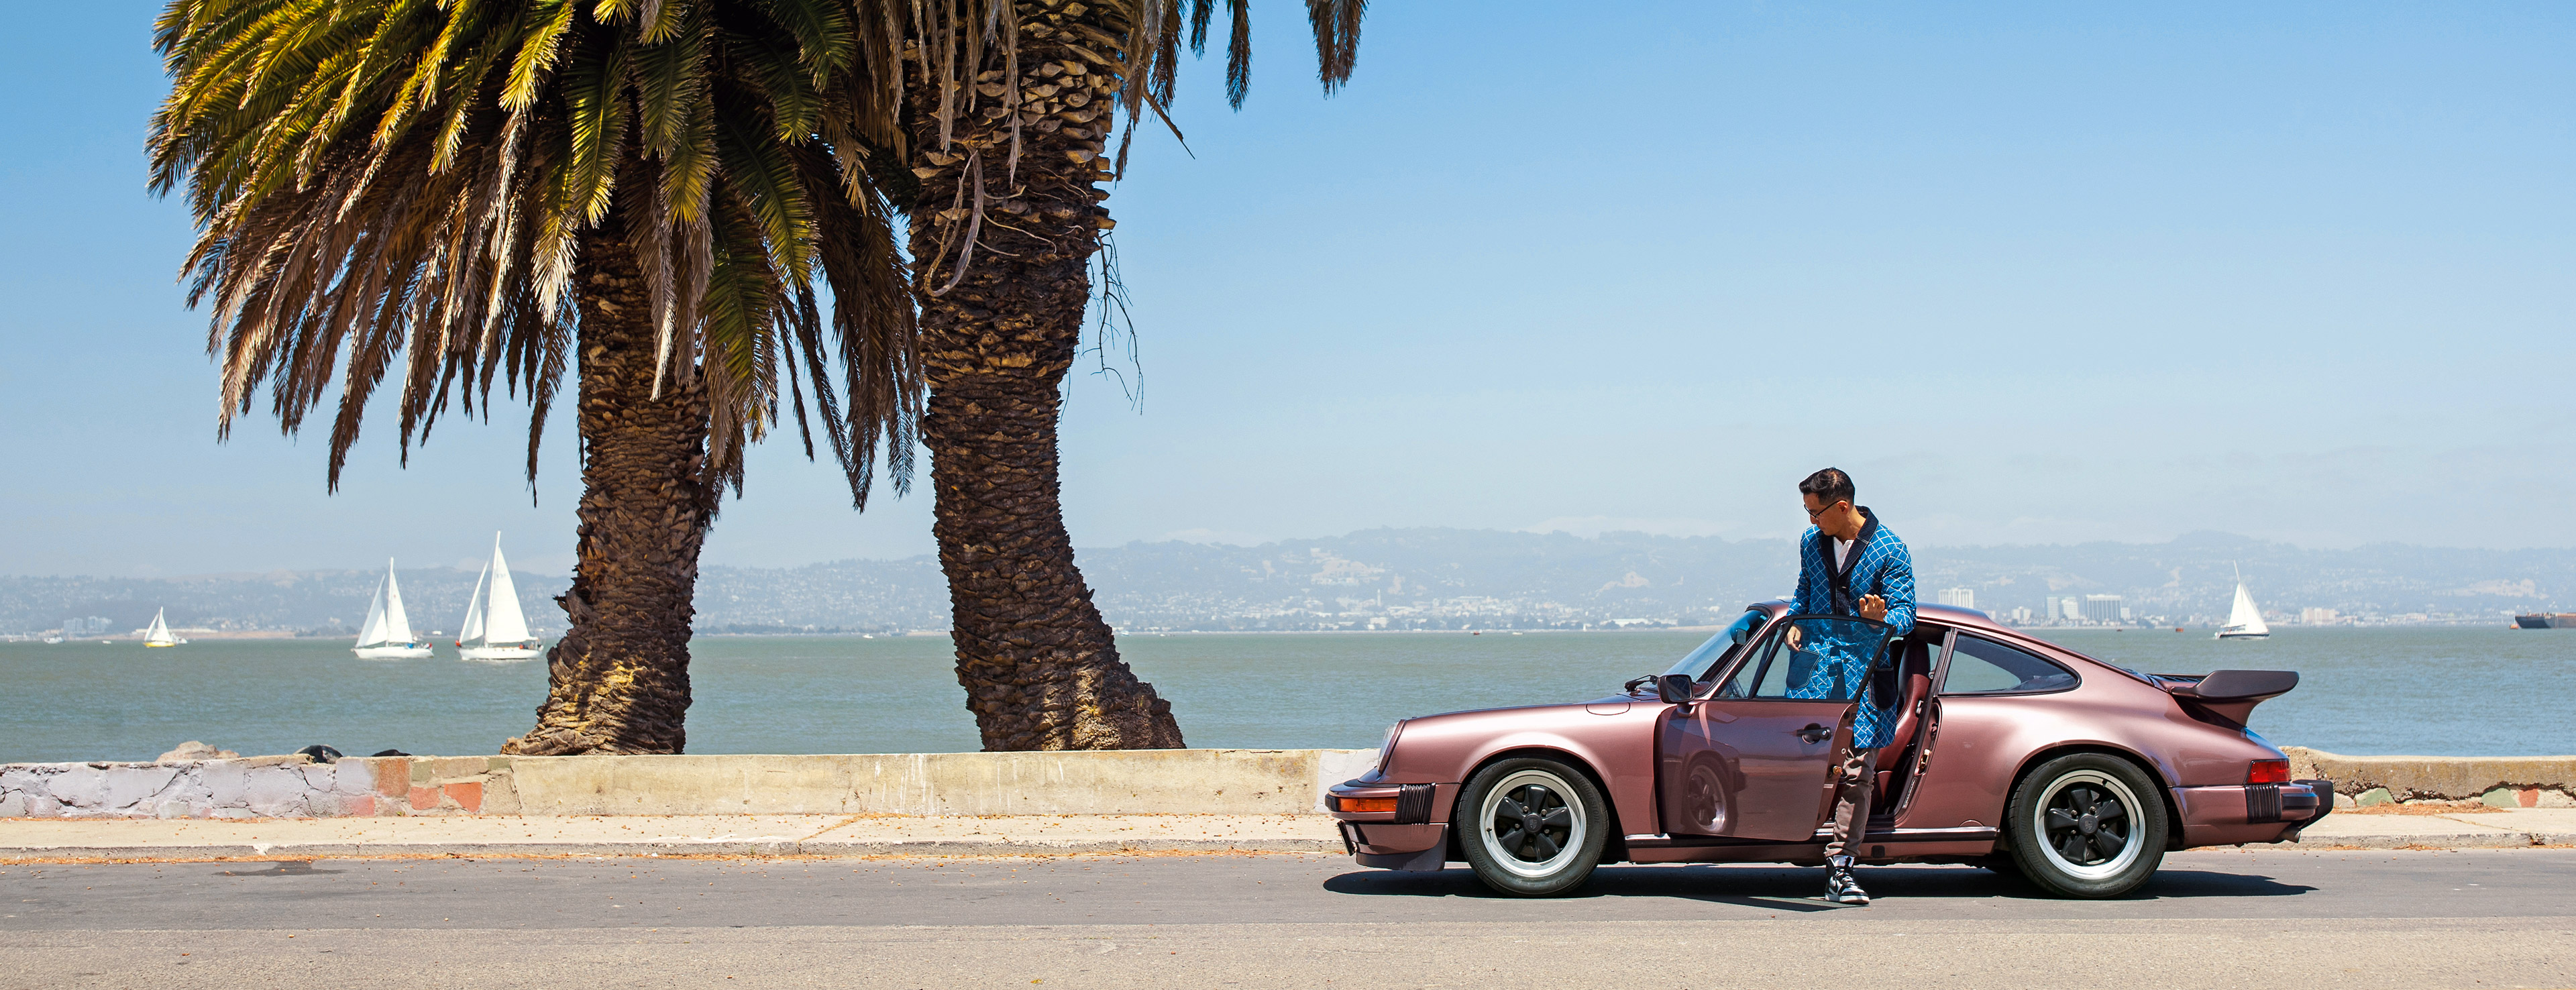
1835	518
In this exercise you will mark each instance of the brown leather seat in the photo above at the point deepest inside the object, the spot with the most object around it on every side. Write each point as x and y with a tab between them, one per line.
1910	703
1913	681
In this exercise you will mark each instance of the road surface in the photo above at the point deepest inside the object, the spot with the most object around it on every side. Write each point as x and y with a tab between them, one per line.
2230	918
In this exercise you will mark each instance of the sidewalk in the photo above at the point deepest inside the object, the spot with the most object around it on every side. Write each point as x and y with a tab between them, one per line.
657	835
2477	830
23	839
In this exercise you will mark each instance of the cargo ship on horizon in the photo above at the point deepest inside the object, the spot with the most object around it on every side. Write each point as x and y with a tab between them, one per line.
2546	620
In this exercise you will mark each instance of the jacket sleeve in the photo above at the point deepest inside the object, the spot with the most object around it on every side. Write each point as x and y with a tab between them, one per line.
1896	586
1803	603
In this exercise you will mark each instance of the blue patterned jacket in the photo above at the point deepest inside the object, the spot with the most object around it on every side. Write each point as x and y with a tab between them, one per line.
1879	566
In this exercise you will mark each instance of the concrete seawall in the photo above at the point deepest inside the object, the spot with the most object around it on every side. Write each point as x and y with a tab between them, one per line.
1134	782
2503	781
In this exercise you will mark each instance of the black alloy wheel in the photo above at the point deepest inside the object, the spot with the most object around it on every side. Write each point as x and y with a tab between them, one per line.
2087	825
1531	826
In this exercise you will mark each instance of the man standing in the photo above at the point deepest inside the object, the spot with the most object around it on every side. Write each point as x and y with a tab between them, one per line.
1850	565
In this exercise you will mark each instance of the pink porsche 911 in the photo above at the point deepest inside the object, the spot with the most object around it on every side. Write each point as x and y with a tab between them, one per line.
2010	753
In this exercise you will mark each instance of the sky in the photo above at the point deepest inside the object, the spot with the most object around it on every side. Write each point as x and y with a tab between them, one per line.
2035	273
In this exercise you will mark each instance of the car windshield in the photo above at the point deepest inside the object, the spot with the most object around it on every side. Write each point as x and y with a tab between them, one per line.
1704	661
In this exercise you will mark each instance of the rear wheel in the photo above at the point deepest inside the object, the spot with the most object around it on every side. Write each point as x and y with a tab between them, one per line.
2086	825
1531	827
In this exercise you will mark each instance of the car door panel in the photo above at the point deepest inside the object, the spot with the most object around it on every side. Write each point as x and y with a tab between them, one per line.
1750	756
1740	768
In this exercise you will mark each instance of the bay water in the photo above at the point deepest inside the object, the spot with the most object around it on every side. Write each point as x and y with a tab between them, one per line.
2427	691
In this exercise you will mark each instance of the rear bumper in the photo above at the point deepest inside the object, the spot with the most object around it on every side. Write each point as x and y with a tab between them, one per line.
2241	813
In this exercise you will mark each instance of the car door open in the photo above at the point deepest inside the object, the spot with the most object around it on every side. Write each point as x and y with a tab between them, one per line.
1748	758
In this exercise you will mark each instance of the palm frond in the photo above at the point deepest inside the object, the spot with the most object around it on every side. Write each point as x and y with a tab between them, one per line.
394	194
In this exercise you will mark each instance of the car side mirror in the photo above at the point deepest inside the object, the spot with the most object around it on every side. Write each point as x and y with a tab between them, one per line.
1675	689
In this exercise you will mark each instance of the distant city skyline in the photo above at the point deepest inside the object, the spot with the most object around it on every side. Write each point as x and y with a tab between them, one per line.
2034	274
1425	579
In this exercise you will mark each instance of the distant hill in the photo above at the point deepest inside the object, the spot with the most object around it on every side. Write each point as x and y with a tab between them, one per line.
1557	579
1409	578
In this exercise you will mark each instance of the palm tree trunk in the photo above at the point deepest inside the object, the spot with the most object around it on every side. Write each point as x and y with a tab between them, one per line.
1040	668
619	679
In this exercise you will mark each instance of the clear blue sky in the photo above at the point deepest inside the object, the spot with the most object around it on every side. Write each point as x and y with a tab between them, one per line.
2035	273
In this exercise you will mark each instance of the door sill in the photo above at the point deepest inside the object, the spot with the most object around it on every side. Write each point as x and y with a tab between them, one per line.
1875	835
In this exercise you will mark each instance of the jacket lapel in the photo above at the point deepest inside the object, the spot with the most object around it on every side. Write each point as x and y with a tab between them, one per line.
1840	583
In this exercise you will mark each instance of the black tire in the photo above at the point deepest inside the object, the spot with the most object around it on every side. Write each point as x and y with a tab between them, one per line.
2087	825
2001	864
1552	825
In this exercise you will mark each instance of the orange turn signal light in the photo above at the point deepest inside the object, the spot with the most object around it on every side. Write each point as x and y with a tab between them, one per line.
2268	772
1386	804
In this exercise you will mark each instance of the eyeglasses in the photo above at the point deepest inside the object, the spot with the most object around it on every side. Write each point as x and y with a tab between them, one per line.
1815	513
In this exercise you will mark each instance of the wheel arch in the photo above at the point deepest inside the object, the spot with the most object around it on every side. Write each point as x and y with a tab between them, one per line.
2164	785
1614	847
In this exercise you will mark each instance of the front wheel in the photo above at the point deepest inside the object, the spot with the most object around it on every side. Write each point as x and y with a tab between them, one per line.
2086	825
1531	827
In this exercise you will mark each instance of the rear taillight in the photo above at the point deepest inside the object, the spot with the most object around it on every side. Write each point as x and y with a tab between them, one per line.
1341	803
2268	772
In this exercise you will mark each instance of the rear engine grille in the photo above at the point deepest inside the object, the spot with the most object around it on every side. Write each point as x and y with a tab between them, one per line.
2263	803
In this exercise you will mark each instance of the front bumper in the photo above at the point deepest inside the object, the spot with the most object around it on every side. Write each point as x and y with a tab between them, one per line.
1410	837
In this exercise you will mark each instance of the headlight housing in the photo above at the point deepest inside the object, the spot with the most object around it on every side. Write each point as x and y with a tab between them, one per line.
1386	750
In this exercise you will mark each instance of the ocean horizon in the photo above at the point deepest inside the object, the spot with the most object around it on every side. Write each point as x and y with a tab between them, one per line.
2428	691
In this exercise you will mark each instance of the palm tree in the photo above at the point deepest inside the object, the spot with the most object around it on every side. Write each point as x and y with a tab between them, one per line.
1010	105
645	191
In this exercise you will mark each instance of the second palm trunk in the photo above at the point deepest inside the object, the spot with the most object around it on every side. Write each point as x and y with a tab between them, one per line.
1004	224
1040	668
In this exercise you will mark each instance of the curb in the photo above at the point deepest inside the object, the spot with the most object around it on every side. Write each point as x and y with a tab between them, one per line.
2495	840
729	847
950	847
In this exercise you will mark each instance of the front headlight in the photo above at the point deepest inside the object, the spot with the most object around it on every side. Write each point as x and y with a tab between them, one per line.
1386	750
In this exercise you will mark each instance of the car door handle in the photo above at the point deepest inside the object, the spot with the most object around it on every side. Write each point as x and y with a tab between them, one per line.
1815	733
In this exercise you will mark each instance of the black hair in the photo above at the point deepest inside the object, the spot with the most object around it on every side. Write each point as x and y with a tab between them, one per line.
1829	486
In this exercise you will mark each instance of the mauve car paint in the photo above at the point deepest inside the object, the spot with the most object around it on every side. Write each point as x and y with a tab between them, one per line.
1742	779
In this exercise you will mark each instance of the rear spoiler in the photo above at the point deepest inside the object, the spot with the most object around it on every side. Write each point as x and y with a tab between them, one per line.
2228	694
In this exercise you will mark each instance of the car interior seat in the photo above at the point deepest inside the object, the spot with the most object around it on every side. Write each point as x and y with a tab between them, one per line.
1914	671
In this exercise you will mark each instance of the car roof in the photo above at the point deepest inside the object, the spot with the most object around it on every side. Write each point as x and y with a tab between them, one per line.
1948	615
1973	620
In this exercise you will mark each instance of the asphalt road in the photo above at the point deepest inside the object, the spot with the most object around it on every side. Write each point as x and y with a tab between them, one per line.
2500	918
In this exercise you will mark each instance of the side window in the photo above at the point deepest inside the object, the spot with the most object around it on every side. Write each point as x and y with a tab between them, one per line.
1824	658
1983	666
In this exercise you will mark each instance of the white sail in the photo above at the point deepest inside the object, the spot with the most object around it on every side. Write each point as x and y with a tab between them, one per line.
472	630
397	622
158	634
372	631
387	634
495	627
503	622
2245	616
2244	621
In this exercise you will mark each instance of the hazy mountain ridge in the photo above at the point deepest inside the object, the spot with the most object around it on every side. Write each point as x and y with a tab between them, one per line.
1406	578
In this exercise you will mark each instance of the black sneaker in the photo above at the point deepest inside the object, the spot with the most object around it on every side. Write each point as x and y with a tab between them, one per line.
1840	887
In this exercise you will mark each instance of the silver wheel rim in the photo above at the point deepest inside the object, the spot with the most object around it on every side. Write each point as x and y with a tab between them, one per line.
1532	824
2087	827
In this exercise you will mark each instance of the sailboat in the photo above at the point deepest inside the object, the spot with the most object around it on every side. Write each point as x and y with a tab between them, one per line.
2244	621
158	634
495	630
387	634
